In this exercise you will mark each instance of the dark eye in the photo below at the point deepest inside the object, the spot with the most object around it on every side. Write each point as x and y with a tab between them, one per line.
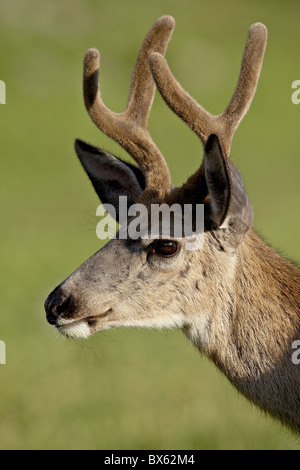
164	248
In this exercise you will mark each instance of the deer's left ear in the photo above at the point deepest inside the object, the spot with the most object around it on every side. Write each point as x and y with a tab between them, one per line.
110	176
228	205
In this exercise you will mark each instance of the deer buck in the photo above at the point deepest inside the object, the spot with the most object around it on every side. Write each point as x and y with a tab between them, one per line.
235	298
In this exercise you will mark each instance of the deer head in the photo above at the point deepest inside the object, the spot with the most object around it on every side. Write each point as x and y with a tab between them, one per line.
159	282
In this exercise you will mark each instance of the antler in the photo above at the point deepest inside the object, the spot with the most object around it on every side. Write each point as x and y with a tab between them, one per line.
195	116
129	128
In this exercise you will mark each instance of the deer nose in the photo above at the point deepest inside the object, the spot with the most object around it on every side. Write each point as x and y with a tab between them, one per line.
56	304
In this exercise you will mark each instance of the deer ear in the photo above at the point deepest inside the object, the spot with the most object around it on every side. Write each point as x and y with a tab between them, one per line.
217	181
110	176
228	205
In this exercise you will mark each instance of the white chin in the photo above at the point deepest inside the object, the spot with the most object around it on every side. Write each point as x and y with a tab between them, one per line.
76	330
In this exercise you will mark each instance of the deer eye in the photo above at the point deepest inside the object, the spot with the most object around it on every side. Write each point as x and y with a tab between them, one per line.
166	248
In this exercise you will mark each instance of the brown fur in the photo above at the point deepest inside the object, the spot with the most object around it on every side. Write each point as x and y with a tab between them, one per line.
254	350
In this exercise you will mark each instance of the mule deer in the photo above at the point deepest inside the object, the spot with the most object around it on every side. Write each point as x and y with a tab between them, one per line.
235	298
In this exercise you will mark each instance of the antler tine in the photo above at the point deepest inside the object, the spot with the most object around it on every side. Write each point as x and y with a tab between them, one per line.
196	117
248	79
129	128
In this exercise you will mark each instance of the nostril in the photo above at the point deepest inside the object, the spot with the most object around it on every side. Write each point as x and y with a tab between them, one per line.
56	304
63	305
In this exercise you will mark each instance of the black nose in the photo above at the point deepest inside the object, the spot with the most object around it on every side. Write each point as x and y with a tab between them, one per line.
56	304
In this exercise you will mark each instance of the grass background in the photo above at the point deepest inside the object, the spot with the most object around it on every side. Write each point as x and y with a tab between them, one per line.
127	389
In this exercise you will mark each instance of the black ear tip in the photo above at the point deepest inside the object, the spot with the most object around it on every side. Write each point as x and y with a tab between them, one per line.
212	142
80	145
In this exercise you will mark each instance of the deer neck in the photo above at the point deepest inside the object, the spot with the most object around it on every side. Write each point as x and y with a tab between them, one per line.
250	335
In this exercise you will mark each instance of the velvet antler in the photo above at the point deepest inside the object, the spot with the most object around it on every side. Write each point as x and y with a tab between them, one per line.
129	128
195	116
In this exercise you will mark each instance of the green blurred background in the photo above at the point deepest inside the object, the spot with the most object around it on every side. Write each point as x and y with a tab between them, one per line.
127	389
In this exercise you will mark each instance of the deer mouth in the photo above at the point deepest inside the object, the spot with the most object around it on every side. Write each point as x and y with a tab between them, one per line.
82	327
